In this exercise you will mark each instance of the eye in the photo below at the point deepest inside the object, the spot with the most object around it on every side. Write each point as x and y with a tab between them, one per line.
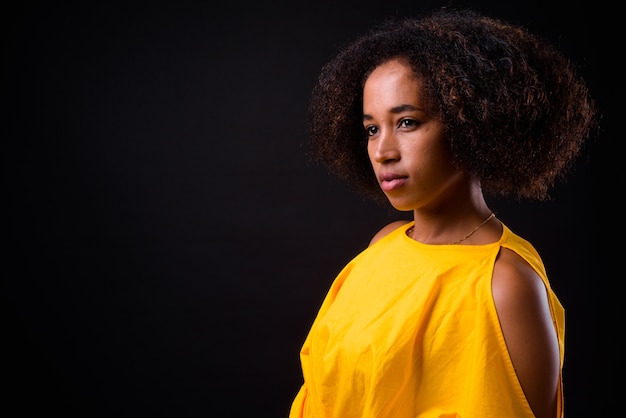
408	123
371	130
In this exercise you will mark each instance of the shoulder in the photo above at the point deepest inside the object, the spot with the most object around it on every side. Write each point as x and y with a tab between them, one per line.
521	300
514	278
387	229
518	289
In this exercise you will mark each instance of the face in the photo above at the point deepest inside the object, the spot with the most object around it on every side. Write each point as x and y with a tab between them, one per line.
405	144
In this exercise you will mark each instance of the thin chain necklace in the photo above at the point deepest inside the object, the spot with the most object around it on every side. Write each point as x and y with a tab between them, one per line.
487	219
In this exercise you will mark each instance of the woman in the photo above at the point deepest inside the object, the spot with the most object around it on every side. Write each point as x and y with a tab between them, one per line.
450	314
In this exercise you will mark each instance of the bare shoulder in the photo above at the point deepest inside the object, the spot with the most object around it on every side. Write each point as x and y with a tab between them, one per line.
387	229
515	280
522	305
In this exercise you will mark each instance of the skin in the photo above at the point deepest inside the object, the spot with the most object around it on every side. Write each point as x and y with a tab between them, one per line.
414	168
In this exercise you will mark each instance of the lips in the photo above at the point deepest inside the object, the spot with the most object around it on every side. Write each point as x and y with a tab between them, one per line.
392	181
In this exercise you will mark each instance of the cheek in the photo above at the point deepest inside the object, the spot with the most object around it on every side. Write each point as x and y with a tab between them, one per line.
371	149
418	154
440	164
427	160
443	158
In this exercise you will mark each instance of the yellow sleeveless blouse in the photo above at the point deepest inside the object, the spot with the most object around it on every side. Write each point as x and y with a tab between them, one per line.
411	330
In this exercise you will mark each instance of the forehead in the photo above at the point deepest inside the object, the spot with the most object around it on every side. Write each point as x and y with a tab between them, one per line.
391	81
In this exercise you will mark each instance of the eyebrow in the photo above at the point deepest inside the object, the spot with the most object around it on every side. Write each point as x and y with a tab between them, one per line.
395	110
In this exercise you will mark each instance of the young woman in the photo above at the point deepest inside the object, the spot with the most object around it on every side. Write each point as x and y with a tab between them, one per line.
451	314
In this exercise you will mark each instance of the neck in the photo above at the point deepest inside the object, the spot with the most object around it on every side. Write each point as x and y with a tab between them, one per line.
454	219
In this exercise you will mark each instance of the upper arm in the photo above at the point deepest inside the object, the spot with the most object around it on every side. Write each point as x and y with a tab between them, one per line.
522	304
387	229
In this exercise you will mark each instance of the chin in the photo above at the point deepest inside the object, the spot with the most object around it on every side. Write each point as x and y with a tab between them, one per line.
400	205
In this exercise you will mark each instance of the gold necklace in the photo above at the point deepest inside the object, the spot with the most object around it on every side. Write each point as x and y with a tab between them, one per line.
487	219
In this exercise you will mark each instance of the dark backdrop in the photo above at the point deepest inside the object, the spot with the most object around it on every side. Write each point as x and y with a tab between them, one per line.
167	244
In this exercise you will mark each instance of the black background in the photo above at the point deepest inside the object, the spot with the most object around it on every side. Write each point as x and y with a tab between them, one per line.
167	244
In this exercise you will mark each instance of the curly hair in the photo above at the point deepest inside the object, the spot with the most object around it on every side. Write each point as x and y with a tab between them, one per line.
514	110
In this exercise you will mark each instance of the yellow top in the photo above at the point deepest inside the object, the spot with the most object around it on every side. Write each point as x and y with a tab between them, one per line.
411	330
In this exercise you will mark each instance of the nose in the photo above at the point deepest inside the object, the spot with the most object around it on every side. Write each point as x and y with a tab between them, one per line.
384	148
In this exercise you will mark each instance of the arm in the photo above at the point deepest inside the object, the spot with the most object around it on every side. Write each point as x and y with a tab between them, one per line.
522	305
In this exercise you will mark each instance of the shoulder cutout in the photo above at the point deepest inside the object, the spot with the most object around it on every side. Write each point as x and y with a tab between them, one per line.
522	305
387	229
